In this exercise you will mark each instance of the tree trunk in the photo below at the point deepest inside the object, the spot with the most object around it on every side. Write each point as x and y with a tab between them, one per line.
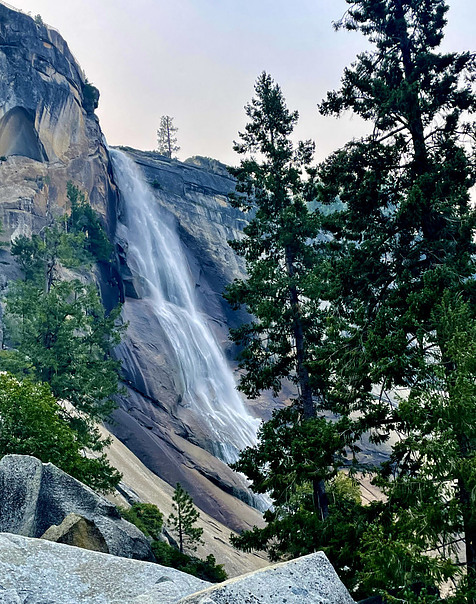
309	412
415	121
469	524
169	144
180	531
431	223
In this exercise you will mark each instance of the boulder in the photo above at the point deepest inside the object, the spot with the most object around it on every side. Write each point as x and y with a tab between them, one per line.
78	531
36	571
36	496
310	579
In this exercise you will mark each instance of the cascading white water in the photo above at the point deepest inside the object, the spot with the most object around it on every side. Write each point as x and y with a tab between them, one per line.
155	252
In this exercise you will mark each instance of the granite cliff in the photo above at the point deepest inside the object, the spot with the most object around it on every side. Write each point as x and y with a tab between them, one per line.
48	131
49	135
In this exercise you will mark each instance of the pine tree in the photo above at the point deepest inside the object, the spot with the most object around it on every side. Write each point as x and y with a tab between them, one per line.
33	423
182	521
166	139
300	450
278	257
83	220
59	333
401	272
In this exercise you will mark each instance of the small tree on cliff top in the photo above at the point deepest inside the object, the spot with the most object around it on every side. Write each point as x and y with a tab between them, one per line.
166	139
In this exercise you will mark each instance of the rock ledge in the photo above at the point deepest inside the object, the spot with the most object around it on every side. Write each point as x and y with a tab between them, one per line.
310	579
36	571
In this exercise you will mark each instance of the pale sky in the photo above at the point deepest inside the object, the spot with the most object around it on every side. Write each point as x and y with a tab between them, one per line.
197	61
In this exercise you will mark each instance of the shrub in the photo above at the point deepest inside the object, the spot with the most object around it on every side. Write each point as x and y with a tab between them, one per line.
146	516
90	97
83	220
207	569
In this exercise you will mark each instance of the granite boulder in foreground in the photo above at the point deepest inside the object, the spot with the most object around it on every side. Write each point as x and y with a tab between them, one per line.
36	496
36	571
310	579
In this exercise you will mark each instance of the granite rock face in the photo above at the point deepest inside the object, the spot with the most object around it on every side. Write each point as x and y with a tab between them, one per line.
49	134
310	579
36	571
36	496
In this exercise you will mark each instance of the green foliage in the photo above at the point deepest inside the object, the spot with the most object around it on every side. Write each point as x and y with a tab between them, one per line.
39	256
33	423
90	97
146	516
155	184
285	456
38	20
63	338
207	569
400	287
294	529
59	334
431	466
299	451
385	304
280	249
184	517
83	220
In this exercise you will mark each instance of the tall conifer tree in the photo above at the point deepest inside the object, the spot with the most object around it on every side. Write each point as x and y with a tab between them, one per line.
401	282
60	334
299	449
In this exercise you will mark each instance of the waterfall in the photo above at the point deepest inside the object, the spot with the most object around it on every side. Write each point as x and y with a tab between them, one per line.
156	254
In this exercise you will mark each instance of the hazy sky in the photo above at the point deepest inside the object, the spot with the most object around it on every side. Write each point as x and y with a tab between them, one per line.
197	60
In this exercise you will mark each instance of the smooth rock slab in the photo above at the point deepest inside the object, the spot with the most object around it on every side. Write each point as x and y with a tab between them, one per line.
35	571
310	580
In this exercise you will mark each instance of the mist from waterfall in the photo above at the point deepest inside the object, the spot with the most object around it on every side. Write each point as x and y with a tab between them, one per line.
156	254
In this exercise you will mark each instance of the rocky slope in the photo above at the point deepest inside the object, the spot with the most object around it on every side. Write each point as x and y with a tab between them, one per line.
141	484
